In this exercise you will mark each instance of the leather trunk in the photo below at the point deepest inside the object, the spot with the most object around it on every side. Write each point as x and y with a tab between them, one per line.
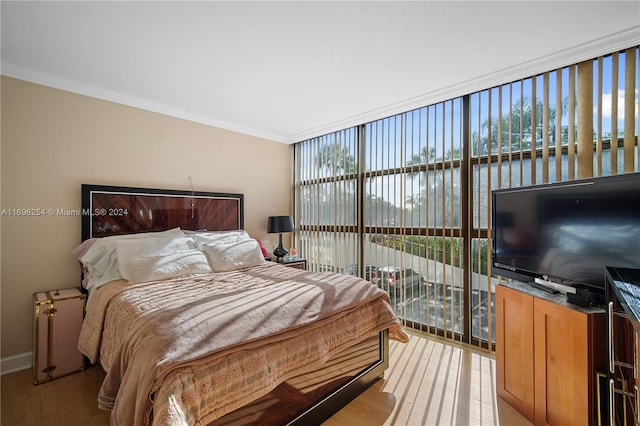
57	320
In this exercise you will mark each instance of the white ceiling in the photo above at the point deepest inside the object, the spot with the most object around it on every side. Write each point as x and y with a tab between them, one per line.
287	71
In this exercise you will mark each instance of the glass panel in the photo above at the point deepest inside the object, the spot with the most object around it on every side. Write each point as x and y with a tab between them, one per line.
482	292
384	205
500	120
485	181
328	251
423	136
422	276
414	200
444	132
443	198
330	203
384	146
330	155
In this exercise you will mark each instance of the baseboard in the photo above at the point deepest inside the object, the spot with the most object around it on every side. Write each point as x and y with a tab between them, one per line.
15	363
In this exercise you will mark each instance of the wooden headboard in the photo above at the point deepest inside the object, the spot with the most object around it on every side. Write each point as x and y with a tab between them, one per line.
116	210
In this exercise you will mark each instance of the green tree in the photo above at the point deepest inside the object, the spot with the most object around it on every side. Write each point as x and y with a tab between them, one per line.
517	131
336	159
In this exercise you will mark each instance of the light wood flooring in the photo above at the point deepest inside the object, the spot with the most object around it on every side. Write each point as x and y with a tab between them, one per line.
432	382
429	382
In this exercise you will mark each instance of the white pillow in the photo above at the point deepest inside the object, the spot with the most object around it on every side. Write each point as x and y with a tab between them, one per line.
165	266
129	250
233	255
219	237
101	259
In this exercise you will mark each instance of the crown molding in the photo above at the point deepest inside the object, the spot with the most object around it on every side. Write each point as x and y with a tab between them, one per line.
57	82
587	51
621	40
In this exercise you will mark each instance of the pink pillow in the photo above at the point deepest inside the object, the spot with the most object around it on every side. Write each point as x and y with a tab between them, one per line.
264	250
80	251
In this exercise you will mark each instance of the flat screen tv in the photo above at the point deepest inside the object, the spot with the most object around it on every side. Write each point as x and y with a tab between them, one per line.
567	232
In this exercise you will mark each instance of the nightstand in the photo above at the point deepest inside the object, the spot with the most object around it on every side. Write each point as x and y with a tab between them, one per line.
295	263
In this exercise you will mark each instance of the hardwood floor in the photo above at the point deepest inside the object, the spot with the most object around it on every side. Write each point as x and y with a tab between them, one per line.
432	382
67	401
429	382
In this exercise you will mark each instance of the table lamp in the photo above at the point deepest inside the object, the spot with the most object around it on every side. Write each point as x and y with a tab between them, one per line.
278	225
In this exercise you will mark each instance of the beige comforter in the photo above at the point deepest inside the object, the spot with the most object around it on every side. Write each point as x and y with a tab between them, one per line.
190	350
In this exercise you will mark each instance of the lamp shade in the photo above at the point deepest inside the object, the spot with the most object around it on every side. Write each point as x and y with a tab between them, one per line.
279	224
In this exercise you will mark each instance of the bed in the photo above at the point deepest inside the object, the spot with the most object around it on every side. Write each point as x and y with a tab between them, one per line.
193	326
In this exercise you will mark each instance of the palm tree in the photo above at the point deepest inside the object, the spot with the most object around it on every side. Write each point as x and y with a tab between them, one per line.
335	159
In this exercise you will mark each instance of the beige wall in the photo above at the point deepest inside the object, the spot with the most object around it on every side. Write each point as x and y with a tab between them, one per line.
53	141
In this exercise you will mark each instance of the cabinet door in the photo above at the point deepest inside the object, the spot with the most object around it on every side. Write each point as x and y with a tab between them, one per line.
514	349
562	370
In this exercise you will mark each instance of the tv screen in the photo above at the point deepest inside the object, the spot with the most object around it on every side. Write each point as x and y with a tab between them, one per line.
567	232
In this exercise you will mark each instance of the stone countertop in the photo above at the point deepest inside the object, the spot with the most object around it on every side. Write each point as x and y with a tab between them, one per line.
625	282
558	298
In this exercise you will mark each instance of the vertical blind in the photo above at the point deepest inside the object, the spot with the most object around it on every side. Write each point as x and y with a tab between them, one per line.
404	201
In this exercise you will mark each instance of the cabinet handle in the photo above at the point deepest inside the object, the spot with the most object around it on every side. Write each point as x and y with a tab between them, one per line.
635	356
611	339
612	415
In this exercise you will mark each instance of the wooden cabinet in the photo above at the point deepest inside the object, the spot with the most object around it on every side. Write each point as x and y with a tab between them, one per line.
546	358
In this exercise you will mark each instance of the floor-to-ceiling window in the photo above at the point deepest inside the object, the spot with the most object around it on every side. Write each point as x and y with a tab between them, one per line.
404	201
